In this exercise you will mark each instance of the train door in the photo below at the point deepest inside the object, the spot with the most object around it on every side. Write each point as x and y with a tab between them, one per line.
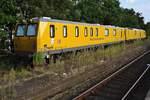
52	35
125	34
140	35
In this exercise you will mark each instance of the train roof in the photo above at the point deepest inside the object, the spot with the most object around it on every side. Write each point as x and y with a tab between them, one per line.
48	19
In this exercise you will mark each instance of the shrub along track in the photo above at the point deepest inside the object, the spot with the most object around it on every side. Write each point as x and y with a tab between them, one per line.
3	54
65	87
120	84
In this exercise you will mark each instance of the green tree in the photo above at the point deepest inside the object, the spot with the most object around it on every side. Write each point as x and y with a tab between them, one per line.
147	28
92	11
131	19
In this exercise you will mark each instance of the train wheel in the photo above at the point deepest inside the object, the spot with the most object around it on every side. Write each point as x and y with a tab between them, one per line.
54	58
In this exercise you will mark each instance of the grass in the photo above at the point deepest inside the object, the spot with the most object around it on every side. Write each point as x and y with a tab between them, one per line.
38	58
88	58
77	62
8	93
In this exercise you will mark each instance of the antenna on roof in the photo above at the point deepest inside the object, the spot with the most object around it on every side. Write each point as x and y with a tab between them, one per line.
47	18
35	18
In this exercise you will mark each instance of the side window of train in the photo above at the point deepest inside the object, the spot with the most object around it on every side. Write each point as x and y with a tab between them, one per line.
135	33
86	32
77	31
65	31
52	31
97	32
106	32
114	32
121	33
91	31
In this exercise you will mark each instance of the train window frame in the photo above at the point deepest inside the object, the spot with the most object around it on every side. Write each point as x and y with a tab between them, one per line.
114	32
85	31
52	34
65	31
25	26
140	34
76	31
36	29
121	33
91	32
106	32
135	32
97	31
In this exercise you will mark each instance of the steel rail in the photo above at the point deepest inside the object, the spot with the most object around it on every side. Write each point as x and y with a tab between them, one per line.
103	82
129	91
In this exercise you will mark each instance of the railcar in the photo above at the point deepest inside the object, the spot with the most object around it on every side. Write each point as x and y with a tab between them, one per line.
52	36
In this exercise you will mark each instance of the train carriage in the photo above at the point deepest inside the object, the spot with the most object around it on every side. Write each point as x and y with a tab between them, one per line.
57	36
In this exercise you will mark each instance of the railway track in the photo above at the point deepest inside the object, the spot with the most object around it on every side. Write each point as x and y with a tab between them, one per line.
120	84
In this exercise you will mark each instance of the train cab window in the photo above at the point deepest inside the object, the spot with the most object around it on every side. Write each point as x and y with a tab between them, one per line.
114	32
31	30
52	31
91	31
106	32
86	32
21	30
65	31
96	32
77	31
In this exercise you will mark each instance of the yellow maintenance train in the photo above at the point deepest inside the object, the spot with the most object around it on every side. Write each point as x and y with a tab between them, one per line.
53	36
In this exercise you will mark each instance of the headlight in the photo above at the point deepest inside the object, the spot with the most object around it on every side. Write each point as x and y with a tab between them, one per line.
30	55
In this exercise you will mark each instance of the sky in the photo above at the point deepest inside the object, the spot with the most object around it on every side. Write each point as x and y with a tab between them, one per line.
142	6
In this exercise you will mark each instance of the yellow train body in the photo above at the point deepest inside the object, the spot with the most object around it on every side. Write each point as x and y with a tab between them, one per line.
57	36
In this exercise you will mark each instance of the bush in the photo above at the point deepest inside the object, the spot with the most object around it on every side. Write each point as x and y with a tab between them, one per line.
3	37
38	58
